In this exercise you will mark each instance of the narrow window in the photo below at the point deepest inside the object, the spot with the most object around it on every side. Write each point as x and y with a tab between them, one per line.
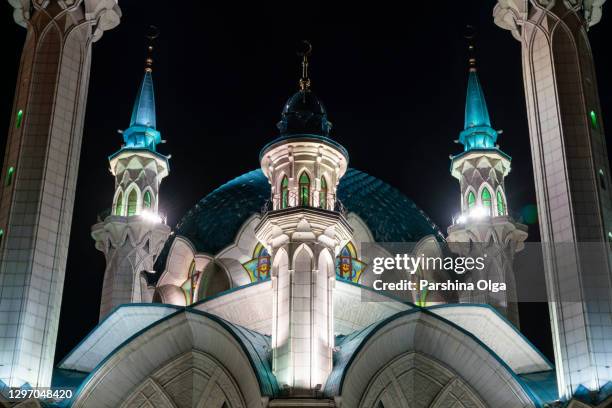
147	199
1	236
485	197
323	194
19	119
471	199
304	189
610	239
119	204
602	179
9	176
501	206
132	203
285	192
593	117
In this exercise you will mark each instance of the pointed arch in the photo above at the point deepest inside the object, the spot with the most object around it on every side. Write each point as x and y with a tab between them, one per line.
486	198
133	200
323	193
148	200
304	188
470	198
500	201
118	204
284	192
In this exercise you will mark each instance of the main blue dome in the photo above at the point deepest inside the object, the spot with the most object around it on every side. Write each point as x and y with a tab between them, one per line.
212	224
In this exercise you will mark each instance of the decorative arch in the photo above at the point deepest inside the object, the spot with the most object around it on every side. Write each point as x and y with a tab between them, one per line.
132	200
214	279
323	193
196	348
118	202
470	198
485	197
500	202
284	191
348	265
423	332
304	187
148	199
258	267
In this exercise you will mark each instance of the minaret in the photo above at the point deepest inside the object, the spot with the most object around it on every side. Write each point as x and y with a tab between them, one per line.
134	233
303	231
39	175
484	219
572	180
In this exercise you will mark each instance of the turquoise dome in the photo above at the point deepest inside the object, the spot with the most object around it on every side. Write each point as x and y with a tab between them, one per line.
212	224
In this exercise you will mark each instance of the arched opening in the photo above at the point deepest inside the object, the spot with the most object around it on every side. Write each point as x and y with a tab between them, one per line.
132	204
501	205
147	200
304	189
485	198
119	204
471	199
285	192
323	194
214	280
9	176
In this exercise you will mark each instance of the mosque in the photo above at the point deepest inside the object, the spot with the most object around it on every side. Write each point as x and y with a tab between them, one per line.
261	296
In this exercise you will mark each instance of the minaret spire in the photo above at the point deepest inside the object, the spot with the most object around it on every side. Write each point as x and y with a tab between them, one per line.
477	131
305	80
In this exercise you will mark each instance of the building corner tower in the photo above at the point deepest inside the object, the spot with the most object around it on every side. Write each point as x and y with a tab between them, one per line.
39	177
303	231
484	220
572	180
134	233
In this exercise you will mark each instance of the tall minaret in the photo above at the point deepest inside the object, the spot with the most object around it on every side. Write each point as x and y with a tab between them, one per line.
39	175
303	231
572	179
132	236
484	219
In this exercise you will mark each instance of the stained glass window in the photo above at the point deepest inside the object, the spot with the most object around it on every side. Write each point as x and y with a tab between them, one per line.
323	194
471	199
485	196
348	266
191	284
501	206
132	204
285	192
147	199
9	176
259	266
304	189
119	204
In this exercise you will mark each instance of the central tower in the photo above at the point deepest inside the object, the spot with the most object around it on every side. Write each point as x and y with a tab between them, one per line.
303	230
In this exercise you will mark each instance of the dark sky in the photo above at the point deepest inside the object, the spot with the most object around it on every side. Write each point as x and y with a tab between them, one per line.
393	80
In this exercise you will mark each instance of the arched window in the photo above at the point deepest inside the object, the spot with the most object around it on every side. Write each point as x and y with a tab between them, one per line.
285	192
348	266
259	266
9	176
471	199
146	201
501	206
132	204
323	194
485	197
119	204
19	119
304	189
191	283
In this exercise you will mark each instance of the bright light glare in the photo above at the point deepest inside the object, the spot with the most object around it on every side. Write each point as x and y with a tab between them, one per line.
151	216
478	212
462	219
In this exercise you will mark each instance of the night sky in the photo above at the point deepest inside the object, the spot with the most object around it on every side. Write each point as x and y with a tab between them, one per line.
393	81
